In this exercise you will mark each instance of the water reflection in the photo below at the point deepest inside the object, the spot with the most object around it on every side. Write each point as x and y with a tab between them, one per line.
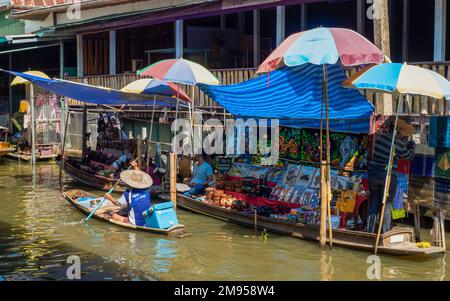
39	230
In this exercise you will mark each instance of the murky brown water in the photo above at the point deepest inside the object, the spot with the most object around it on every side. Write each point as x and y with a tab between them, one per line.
39	230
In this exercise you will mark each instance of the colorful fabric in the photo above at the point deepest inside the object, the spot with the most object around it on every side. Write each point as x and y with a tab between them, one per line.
442	194
423	165
347	201
439	131
404	166
323	46
95	94
398	213
442	165
402	191
294	96
290	141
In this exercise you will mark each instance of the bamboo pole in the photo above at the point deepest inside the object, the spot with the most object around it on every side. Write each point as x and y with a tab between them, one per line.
64	142
417	221
328	160
84	131
323	207
173	178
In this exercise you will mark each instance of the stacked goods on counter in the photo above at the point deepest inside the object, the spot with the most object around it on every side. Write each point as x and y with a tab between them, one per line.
289	192
218	197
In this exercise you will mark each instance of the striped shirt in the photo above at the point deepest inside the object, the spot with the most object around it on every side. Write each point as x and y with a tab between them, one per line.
380	157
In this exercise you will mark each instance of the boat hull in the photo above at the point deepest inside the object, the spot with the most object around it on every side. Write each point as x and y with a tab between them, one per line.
99	182
72	195
399	241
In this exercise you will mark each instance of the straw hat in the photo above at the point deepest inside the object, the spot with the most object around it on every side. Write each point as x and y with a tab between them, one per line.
405	128
136	179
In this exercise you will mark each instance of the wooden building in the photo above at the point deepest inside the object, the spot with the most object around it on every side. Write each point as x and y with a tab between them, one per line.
113	39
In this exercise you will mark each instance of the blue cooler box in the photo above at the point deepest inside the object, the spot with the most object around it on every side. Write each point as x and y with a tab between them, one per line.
162	217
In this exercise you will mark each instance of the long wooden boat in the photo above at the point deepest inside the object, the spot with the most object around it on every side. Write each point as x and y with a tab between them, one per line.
102	214
97	181
398	241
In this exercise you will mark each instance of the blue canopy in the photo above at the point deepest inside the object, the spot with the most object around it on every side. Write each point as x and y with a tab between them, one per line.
95	94
294	96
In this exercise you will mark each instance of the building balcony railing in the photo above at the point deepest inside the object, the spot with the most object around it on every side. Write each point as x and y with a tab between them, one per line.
383	105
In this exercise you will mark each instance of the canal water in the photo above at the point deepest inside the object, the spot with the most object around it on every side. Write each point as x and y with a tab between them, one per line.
39	230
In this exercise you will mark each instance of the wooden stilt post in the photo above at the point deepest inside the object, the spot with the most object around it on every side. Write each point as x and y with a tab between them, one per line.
382	41
442	224
84	131
173	178
33	126
417	221
139	151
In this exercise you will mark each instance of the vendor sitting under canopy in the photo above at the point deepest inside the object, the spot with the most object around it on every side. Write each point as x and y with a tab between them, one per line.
202	176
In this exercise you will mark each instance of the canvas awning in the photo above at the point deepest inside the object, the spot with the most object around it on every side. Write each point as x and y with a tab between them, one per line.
294	95
95	94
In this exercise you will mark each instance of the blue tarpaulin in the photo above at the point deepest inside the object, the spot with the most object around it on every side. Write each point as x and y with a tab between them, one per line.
95	94
294	96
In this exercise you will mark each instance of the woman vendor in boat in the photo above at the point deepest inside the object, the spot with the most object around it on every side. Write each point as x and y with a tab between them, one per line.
202	176
404	149
136	198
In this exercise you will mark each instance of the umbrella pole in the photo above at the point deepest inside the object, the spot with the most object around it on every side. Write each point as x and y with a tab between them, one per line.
192	116
33	127
387	183
323	206
328	159
151	133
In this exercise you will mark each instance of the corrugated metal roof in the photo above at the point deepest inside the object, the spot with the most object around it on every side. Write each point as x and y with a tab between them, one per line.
41	3
10	26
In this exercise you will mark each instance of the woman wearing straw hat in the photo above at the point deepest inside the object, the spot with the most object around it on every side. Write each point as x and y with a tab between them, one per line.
404	149
136	198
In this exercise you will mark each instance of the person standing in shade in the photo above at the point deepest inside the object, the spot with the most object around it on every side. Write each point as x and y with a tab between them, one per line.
202	176
404	149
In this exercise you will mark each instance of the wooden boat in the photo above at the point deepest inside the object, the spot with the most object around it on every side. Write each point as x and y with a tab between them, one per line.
5	149
104	214
398	241
97	181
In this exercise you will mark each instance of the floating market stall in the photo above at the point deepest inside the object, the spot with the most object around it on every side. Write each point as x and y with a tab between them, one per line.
41	134
404	80
285	198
